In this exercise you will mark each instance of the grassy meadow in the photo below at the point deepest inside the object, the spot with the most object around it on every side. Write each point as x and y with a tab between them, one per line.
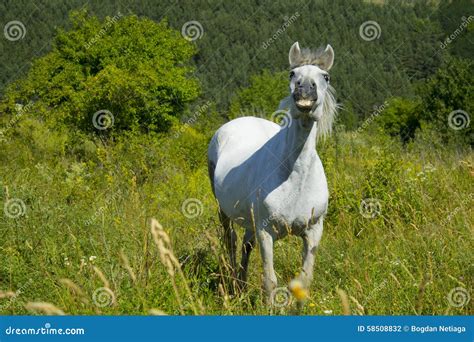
106	112
82	224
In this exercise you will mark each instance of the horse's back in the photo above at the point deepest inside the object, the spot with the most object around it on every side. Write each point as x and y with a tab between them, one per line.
238	139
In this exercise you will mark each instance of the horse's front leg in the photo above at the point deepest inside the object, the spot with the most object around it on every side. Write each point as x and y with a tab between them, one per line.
247	246
265	241
311	238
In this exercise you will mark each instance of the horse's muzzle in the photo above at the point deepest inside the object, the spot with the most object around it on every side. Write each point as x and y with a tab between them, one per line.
305	95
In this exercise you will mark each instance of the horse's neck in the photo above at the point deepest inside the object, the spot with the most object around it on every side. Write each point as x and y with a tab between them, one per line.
300	147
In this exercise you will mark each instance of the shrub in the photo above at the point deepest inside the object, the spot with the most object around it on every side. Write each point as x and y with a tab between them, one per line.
400	118
448	101
262	97
134	68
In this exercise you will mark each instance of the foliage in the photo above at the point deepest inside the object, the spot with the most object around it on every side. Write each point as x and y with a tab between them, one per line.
82	212
453	16
134	68
262	96
450	89
231	51
401	118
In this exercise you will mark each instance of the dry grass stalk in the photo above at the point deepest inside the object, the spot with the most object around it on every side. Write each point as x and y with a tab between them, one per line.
75	289
359	285
456	280
360	308
157	312
7	294
145	265
345	302
421	293
395	278
224	267
225	297
407	271
46	308
172	264
101	276
126	264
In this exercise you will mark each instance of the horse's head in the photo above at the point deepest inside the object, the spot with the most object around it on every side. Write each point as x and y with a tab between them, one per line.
309	80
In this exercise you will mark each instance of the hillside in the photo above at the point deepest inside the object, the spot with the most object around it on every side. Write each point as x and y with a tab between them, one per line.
231	50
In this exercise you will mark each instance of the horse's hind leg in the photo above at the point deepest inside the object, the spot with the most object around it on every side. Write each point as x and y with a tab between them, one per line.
230	240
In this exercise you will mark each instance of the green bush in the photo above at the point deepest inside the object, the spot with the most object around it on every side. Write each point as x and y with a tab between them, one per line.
400	118
261	97
132	67
447	101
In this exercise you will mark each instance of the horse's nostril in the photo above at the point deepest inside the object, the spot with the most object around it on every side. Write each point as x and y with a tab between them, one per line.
298	83
313	84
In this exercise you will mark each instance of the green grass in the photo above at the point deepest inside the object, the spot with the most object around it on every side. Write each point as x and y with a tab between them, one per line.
85	206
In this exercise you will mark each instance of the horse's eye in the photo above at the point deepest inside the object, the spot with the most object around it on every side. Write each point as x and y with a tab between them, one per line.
292	73
326	77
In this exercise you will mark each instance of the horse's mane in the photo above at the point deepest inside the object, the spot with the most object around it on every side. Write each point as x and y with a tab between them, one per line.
330	106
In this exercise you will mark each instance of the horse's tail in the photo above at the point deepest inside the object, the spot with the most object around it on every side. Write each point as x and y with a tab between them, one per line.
211	161
211	168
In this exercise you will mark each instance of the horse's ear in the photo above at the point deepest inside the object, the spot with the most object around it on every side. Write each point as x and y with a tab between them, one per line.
295	54
327	58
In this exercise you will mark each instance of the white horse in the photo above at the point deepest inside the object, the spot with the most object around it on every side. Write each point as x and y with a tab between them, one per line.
269	179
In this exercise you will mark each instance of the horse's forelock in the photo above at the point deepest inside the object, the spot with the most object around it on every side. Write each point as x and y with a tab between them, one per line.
309	57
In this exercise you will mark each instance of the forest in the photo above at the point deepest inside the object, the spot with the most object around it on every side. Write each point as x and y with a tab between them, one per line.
106	112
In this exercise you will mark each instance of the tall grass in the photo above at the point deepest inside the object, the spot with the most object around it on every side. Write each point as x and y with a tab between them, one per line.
84	244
